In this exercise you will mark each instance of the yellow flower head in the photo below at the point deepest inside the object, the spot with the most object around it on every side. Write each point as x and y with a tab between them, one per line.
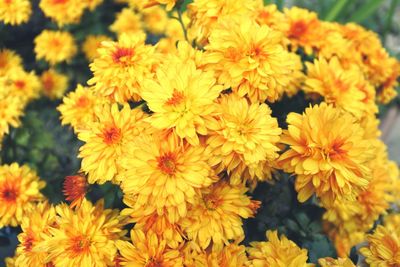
164	173
250	59
91	44
383	248
55	46
63	11
181	98
204	224
122	66
155	19
204	14
78	106
54	84
148	250
277	252
270	15
84	237
243	139
127	21
35	229
15	12
303	28
106	138
344	88
19	187
340	262
387	89
11	108
328	153
21	84
9	60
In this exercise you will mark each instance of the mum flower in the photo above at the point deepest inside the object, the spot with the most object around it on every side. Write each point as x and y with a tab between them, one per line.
340	262
276	252
121	68
21	84
19	187
250	59
91	44
163	174
78	107
9	60
35	229
85	236
106	139
127	21
55	46
74	189
217	216
11	108
15	12
181	98
243	139
155	19
147	249
63	11
54	84
328	153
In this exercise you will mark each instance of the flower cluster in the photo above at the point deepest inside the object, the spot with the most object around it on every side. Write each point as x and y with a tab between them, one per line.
186	127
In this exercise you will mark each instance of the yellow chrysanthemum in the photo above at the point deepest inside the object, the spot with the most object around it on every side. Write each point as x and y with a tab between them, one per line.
84	237
78	106
35	229
217	216
387	89
383	248
163	174
11	108
250	59
204	14
181	98
63	11
21	84
9	60
55	46
106	138
155	19
243	139
127	21
15	12
19	187
340	262
328	153
54	84
270	15
122	66
147	250
277	252
303	28
91	44
344	88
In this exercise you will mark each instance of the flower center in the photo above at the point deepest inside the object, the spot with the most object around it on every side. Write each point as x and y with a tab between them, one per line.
212	201
48	83
167	163
19	84
82	102
122	55
80	245
9	194
111	135
176	98
298	29
28	243
56	2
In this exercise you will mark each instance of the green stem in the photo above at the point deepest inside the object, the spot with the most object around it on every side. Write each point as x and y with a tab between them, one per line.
388	23
335	10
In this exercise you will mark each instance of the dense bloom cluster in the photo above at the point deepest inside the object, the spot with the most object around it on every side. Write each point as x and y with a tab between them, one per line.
185	126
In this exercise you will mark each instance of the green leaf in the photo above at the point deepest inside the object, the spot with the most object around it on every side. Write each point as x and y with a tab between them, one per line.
365	11
335	10
389	18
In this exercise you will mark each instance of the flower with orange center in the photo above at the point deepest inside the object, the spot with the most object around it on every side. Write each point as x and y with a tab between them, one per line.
163	173
85	236
127	21
19	187
55	46
146	249
328	152
243	139
63	11
216	217
15	12
21	84
9	60
277	252
181	97
121	68
107	138
11	108
35	229
78	107
91	44
303	28
270	15
250	59
75	189
54	84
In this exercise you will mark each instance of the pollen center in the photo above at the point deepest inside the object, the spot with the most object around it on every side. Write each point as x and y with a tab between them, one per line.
28	243
122	54
83	101
111	135
48	83
176	98
167	163
298	29
80	244
212	201
9	194
19	84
